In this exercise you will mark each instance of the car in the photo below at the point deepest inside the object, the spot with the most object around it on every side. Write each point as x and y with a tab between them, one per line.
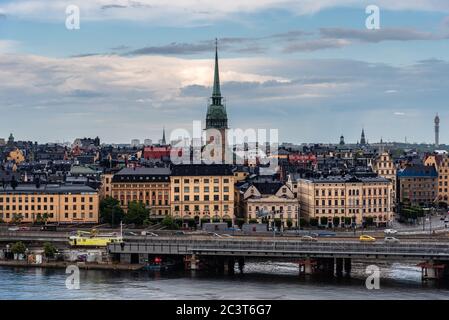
24	229
213	234
130	233
366	238
13	229
180	233
392	240
390	231
308	238
226	235
326	234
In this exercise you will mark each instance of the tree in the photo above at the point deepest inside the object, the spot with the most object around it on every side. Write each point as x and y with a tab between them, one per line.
49	250
111	211
313	222
323	221
336	221
348	221
137	213
18	248
253	220
17	218
45	217
289	223
169	223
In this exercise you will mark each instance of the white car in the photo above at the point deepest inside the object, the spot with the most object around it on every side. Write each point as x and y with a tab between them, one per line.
13	229
390	231
391	240
308	238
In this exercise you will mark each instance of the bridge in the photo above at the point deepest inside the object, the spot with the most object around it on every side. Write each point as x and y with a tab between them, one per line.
327	256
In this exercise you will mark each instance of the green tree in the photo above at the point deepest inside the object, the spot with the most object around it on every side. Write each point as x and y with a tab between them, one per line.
49	250
348	221
336	221
253	220
111	211
18	248
277	222
17	218
137	213
169	223
323	221
289	223
313	222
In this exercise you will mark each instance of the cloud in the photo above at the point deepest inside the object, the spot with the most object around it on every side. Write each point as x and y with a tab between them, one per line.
317	44
383	34
7	46
184	11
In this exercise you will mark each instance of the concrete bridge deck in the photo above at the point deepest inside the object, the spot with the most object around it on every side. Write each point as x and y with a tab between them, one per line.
279	248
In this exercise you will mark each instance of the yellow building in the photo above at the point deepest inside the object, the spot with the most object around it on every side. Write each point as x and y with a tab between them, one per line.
201	191
150	186
384	166
16	155
441	163
347	199
60	203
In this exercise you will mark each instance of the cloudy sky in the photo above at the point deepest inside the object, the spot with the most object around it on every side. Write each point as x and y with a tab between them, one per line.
309	68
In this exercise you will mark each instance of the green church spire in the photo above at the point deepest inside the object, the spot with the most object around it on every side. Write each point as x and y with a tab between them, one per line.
216	112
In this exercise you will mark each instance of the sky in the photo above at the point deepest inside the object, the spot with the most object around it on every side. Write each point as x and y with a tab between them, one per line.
309	68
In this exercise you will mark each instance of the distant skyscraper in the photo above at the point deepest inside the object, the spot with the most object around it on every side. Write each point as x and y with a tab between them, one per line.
437	131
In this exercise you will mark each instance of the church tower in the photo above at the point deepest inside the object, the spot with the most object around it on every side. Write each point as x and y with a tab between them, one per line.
363	138
216	119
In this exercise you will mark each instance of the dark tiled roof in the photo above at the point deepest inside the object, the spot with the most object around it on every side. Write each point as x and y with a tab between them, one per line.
348	179
268	187
418	171
156	174
202	170
47	189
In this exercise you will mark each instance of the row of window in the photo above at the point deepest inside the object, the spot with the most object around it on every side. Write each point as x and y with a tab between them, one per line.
205	180
351	211
206	208
206	197
197	189
41	207
26	215
352	202
351	192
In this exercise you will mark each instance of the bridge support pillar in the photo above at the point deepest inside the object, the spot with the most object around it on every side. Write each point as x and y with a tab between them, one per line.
192	262
229	266
326	266
347	266
432	270
241	262
339	267
307	267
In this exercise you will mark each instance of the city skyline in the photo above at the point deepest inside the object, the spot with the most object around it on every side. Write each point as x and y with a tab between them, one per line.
311	71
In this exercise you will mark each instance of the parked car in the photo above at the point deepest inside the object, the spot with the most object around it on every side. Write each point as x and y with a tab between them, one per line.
390	231
13	229
366	238
391	240
180	233
308	239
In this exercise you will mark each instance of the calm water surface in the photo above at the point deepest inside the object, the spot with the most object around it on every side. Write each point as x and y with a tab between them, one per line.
260	281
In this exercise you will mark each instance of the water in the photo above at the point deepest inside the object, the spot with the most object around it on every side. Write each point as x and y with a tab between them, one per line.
268	280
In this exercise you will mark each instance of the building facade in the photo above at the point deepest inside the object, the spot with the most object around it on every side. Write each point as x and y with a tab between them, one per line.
56	203
150	186
384	166
418	185
201	191
271	201
344	200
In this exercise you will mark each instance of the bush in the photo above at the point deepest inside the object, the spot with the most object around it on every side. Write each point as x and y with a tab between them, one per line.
169	223
253	220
